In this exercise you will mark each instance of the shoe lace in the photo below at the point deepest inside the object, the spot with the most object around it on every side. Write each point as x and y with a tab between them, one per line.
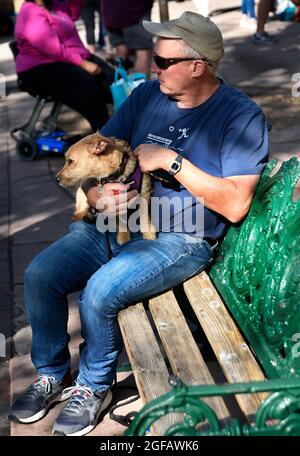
41	383
79	395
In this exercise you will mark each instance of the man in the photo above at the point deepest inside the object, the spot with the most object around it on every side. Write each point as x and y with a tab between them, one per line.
213	140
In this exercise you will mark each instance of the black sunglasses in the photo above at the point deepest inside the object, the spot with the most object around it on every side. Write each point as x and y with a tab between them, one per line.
164	63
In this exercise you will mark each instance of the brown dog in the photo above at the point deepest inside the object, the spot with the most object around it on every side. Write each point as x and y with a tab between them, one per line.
108	160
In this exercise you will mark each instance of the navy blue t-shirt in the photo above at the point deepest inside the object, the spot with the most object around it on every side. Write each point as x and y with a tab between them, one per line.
225	136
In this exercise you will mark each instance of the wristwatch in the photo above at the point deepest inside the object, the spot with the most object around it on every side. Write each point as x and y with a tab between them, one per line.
175	165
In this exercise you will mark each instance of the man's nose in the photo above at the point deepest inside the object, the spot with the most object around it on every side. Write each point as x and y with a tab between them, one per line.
57	178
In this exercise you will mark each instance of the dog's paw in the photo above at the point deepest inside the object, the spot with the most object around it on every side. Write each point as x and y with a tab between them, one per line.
79	216
123	237
149	235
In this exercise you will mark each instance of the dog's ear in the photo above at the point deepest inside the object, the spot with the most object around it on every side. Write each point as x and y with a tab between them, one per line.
97	145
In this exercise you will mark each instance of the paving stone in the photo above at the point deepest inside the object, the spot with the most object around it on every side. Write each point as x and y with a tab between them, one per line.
3	254
4	288
22	255
4	272
4	228
283	152
6	301
40	212
3	180
21	330
4	398
246	64
19	308
3	243
40	229
21	171
22	341
5	334
56	163
3	200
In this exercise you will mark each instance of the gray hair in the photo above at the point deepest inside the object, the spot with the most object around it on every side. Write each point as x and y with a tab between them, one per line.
190	52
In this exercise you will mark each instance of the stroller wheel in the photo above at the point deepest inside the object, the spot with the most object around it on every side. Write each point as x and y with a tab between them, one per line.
27	149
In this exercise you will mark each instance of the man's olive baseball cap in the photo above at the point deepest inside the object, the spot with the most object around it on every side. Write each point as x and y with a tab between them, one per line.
199	32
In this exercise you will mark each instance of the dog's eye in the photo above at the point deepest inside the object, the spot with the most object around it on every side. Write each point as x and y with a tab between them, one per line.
70	161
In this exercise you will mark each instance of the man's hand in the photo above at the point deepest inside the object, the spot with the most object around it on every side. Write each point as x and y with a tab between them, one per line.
113	199
90	67
152	157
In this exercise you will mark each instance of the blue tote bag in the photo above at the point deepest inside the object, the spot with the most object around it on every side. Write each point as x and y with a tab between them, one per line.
124	84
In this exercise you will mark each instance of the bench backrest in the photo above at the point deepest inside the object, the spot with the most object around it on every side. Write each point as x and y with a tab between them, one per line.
257	272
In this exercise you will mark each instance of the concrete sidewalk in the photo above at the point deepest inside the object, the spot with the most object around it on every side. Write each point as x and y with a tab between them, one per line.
35	212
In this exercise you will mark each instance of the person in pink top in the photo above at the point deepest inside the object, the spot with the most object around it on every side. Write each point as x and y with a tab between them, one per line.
53	60
70	7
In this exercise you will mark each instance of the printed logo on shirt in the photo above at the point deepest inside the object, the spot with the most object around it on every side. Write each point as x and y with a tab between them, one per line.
163	142
183	133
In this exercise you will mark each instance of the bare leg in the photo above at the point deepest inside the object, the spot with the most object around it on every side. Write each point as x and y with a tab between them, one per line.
261	37
143	61
122	51
91	48
264	7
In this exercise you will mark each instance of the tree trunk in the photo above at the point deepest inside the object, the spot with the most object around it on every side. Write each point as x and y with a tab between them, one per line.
163	10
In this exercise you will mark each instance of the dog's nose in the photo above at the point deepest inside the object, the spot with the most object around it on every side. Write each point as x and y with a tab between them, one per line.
57	178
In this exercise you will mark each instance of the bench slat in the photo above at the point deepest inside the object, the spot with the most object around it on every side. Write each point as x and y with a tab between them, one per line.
183	353
233	354
144	353
150	371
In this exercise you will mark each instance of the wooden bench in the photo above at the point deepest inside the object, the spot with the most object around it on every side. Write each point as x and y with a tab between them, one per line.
248	308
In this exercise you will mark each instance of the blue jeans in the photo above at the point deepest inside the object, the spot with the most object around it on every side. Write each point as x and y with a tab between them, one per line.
248	8
112	277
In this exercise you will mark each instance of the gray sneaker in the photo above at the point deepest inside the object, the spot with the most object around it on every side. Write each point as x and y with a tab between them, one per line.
32	405
81	414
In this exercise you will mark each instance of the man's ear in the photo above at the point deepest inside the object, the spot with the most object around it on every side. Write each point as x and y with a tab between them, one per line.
199	68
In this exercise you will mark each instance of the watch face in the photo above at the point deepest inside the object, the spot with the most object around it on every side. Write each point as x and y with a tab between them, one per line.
175	166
